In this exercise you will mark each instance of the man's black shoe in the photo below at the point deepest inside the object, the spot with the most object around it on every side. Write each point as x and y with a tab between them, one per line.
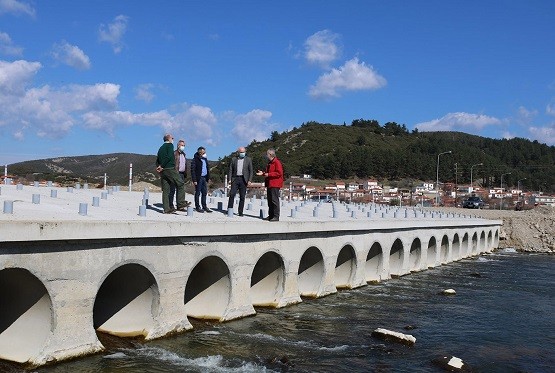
207	210
240	214
199	209
268	218
274	219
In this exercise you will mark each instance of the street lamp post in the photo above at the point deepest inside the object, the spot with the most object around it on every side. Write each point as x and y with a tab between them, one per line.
437	176
501	204
471	180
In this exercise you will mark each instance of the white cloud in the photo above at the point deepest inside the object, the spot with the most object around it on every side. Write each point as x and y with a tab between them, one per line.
113	33
7	46
143	93
193	122
526	116
508	135
108	121
352	76
16	7
46	111
71	55
458	122
254	125
543	134
322	48
550	108
19	136
15	76
53	111
196	122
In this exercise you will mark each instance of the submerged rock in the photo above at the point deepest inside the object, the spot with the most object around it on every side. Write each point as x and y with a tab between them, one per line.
389	335
448	292
283	361
410	327
451	364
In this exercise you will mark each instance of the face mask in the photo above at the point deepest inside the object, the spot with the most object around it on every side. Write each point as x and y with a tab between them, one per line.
181	148
242	155
204	155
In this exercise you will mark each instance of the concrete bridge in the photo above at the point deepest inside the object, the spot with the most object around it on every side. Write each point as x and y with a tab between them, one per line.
62	280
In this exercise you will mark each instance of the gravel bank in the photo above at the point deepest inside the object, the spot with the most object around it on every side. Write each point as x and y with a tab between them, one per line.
530	230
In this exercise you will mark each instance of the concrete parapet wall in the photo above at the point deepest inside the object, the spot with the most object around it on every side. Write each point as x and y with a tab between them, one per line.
66	280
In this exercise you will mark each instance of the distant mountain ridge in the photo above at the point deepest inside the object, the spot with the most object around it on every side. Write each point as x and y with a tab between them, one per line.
91	168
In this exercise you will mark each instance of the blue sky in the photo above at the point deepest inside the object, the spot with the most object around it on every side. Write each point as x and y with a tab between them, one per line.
95	77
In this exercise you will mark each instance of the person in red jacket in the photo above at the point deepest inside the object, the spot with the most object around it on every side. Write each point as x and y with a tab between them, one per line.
273	182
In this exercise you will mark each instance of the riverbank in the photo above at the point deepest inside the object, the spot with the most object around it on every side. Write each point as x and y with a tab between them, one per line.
527	231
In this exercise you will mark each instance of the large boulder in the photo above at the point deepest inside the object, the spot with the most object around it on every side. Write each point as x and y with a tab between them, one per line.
389	335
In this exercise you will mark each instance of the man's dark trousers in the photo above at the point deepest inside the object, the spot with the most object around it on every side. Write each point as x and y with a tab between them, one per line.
273	202
172	189
170	176
238	183
201	189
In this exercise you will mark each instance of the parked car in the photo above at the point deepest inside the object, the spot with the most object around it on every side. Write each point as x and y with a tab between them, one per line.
473	203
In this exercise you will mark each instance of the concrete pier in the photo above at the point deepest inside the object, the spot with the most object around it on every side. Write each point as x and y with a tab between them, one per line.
64	275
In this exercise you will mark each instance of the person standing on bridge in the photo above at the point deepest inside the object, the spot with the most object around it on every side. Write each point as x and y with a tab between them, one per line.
181	168
273	182
240	173
200	174
165	166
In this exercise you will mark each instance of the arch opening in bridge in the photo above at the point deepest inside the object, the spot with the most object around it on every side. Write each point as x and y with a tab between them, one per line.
415	255
25	315
482	242
127	302
208	289
311	272
431	253
444	250
474	244
456	248
496	239
267	280
374	263
396	258
345	267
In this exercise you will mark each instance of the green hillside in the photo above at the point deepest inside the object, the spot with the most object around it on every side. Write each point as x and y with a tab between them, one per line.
365	149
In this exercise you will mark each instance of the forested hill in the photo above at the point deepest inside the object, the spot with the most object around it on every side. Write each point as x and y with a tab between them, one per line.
363	149
367	149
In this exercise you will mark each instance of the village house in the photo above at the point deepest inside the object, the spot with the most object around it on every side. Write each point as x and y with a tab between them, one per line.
544	200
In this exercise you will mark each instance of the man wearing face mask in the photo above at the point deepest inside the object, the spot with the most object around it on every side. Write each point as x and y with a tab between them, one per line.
200	174
180	167
240	172
274	182
165	166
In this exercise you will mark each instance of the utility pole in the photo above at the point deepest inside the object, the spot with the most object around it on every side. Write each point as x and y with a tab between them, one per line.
437	176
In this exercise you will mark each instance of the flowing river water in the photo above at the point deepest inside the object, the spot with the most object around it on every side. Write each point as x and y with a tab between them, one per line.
502	319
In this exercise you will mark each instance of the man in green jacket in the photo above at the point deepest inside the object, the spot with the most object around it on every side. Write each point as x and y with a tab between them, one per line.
165	166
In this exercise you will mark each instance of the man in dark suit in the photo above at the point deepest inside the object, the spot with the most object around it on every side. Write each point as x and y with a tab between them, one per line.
240	174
